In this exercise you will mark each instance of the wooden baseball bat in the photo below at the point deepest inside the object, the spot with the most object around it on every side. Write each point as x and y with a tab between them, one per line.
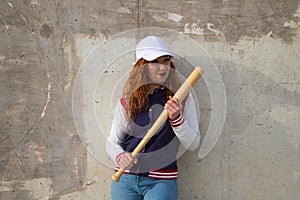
181	93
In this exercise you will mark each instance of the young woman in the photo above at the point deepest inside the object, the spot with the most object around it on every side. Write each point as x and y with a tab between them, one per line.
148	90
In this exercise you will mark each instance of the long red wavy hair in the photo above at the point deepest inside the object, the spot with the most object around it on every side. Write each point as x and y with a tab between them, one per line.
136	87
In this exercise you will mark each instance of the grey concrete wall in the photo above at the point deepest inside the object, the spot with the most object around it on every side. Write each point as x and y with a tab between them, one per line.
48	152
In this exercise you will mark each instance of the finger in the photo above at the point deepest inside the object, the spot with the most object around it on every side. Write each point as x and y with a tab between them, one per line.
174	99
129	157
125	160
175	104
170	109
173	107
123	164
126	164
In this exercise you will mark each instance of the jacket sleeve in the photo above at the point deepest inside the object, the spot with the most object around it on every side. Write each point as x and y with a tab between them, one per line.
187	130
117	132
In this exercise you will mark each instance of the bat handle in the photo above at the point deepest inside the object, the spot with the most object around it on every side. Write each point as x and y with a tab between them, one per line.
116	177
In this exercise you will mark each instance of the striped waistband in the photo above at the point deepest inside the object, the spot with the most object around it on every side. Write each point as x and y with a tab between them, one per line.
166	174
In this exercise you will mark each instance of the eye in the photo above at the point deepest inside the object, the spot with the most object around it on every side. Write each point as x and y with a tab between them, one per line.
168	59
154	61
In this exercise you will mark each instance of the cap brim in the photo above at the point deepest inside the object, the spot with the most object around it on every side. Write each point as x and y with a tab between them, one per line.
153	55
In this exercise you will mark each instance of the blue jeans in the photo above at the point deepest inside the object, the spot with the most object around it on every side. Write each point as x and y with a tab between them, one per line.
132	187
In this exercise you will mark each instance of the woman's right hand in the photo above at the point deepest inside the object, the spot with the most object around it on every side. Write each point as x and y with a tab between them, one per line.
126	161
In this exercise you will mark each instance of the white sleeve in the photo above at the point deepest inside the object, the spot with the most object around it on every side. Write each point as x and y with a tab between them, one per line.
117	132
188	133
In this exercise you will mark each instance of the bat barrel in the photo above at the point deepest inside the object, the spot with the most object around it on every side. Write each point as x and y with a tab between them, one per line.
187	85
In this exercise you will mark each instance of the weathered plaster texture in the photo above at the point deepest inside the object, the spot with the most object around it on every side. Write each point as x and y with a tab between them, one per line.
254	44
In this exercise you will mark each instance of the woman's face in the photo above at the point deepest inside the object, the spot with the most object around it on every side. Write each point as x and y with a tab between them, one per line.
158	69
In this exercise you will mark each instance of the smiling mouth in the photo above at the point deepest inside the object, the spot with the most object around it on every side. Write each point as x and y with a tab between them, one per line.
162	74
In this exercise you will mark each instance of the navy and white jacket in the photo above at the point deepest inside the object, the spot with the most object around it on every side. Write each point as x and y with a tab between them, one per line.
158	158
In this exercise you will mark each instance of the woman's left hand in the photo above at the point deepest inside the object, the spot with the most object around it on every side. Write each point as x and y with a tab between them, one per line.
174	107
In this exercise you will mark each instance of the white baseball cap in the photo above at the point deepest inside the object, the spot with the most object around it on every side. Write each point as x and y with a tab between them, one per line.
151	48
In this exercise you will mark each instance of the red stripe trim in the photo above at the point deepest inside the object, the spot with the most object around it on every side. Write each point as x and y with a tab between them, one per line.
176	125
124	104
176	118
157	174
163	177
164	174
118	158
177	122
125	172
165	170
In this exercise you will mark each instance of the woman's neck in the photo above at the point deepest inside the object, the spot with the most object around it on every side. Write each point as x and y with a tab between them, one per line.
152	87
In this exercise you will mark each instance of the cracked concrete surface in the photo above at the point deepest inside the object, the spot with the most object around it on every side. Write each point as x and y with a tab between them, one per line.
255	45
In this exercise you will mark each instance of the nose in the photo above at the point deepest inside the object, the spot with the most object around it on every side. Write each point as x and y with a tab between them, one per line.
162	67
